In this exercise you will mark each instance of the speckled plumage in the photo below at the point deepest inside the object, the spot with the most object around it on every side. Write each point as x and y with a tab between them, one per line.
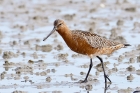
95	42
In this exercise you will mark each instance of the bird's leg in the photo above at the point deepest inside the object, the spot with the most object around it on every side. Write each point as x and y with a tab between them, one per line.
105	76
90	66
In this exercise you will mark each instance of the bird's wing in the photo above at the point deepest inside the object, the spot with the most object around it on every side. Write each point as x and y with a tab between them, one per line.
94	40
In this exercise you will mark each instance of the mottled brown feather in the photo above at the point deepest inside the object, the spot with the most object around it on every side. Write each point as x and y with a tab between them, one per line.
94	40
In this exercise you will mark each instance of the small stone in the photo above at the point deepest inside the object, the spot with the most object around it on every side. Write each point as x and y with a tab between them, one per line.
57	64
71	74
26	77
8	54
30	61
53	70
97	73
130	77
67	75
43	73
37	47
27	42
59	47
120	39
115	69
82	73
38	40
130	68
73	79
40	60
39	87
129	90
62	56
85	66
88	87
6	63
23	54
130	9
69	16
0	51
37	73
46	48
120	23
48	71
138	72
113	33
138	59
2	75
132	60
35	56
120	58
48	79
14	42
18	72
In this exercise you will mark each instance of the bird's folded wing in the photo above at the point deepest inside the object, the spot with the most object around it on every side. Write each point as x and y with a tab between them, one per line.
95	40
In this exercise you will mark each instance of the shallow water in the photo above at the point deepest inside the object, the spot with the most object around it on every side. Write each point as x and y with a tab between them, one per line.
30	65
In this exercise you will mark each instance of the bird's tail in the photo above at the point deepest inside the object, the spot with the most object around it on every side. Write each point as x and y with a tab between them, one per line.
125	45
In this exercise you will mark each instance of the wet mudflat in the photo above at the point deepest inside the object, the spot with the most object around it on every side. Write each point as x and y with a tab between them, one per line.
30	65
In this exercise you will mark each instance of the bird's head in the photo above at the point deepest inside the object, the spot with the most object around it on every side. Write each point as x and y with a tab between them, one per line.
58	25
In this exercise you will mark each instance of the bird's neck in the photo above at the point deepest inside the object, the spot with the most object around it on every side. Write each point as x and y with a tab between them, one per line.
66	35
65	32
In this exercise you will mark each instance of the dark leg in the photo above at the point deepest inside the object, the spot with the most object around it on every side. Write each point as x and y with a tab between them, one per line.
105	76
90	66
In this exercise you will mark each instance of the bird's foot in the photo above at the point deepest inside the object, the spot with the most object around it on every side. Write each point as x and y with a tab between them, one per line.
83	81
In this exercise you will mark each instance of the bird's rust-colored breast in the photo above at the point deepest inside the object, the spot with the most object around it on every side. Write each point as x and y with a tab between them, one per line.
78	44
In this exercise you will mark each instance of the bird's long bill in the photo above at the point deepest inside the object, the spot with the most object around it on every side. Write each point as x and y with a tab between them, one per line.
49	34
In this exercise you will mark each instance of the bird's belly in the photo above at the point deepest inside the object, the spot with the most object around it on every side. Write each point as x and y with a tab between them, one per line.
86	49
82	48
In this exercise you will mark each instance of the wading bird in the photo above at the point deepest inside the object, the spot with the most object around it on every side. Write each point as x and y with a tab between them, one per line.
86	43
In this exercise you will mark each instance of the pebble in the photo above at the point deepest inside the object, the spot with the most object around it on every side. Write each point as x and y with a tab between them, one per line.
138	72
26	77
138	59
132	60
46	48
43	73
120	58
53	70
48	71
130	68
48	79
120	22
35	56
130	9
88	87
59	47
2	75
82	73
23	54
130	77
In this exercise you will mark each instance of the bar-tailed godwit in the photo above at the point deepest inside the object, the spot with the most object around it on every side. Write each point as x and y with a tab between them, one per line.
86	43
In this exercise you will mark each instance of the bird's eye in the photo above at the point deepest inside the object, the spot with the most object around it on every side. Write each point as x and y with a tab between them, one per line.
60	24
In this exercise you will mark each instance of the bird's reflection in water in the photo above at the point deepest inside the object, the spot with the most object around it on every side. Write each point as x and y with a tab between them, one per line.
89	87
106	87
